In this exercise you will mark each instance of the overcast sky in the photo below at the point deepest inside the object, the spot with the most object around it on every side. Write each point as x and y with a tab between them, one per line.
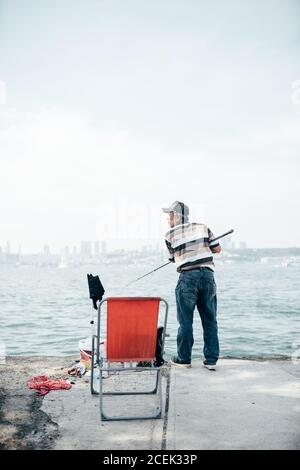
111	109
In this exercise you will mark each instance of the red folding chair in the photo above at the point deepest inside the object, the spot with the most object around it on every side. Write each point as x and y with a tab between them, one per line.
131	334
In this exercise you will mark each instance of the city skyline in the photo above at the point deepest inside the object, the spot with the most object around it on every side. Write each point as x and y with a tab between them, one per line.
100	247
87	247
97	252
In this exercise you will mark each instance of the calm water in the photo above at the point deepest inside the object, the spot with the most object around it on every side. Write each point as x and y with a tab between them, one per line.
46	311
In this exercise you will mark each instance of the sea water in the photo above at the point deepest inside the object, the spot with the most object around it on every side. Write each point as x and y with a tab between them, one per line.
46	310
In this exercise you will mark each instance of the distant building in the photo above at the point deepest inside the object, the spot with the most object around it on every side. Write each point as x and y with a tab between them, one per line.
7	248
243	245
46	250
66	251
96	248
86	248
12	258
226	243
103	247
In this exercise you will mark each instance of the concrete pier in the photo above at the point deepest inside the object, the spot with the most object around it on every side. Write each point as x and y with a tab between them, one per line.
244	404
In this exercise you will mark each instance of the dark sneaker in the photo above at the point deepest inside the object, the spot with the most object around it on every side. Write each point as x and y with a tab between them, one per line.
177	362
210	365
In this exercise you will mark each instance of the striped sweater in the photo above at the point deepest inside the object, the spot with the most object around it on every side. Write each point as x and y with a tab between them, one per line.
189	246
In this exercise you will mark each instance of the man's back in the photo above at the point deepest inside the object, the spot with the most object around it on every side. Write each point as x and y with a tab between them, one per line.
190	246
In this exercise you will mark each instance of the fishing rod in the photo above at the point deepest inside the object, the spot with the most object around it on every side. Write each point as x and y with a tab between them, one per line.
169	262
159	267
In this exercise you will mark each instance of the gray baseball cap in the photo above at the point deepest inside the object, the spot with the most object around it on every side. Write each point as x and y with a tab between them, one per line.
178	207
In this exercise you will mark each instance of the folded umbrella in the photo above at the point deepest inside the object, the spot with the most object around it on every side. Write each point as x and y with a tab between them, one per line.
96	289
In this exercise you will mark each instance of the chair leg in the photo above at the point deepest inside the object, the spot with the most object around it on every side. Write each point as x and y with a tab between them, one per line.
159	375
93	391
102	415
105	417
154	391
157	381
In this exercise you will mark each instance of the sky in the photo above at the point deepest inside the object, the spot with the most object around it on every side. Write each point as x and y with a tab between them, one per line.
112	109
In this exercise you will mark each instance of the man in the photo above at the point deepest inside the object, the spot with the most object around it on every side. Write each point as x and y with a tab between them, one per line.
191	246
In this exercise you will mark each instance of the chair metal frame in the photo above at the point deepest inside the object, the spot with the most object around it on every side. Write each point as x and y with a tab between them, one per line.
97	362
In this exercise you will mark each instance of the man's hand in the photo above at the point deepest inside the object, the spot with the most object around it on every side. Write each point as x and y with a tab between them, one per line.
216	249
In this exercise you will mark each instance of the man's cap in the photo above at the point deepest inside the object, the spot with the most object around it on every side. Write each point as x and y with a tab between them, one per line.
178	207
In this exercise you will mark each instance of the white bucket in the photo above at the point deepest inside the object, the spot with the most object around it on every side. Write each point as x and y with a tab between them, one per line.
85	351
85	344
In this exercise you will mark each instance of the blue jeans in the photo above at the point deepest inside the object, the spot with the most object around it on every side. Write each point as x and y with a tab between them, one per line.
197	288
